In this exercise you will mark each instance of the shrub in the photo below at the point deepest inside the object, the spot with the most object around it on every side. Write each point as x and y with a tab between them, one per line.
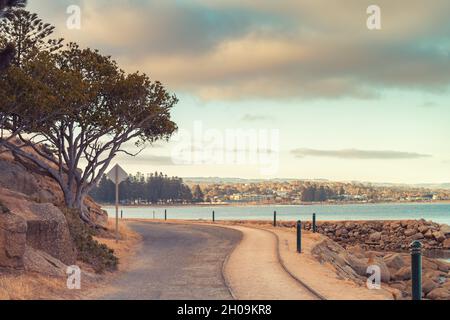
90	251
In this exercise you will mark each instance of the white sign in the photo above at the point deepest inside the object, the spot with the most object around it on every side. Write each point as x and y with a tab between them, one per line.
118	172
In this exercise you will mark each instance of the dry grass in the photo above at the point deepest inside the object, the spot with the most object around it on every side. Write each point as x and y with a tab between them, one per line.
32	286
128	240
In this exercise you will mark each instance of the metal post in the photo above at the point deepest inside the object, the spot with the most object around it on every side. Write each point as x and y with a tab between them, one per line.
165	214
117	203
416	270
213	217
121	214
299	236
274	218
314	227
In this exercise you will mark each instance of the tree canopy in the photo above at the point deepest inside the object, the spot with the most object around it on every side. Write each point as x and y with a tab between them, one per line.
7	51
80	105
153	188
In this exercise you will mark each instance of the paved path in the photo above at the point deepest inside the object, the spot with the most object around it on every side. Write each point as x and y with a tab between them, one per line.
255	273
176	262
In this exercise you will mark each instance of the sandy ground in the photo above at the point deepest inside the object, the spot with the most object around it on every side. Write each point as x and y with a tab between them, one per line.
254	273
321	278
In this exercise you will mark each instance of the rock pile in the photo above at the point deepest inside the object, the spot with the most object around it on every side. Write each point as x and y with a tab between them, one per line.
352	263
386	235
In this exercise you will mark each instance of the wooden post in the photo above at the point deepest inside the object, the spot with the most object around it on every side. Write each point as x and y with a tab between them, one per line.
117	203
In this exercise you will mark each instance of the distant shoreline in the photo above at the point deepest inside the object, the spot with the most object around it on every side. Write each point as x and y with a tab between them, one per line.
270	204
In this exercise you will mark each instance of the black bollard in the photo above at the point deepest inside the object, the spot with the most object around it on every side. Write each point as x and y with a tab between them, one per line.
121	214
299	236
213	217
416	270
314	227
274	218
165	214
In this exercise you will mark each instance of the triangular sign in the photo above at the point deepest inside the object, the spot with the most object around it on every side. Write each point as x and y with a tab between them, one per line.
118	172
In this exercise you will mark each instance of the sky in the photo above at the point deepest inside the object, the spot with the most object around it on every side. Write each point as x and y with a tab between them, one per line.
287	88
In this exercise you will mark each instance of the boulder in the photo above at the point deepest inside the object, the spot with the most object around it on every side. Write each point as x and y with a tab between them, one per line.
442	265
446	244
41	262
402	274
46	225
13	235
445	229
439	294
15	177
439	236
394	261
410	232
375	237
428	285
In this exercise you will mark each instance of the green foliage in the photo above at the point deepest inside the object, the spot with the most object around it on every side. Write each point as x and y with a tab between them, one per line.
78	103
7	51
317	194
28	34
198	194
90	251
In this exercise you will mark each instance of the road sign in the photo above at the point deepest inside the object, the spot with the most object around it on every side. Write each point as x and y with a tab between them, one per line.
117	175
118	172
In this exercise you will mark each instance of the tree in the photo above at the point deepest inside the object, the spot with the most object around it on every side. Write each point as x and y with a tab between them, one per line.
98	107
154	189
198	194
7	53
28	35
23	86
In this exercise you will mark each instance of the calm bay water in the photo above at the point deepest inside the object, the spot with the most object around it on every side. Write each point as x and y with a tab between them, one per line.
436	212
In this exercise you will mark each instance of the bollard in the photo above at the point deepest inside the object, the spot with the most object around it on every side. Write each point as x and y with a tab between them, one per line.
299	236
274	218
314	227
416	270
121	214
213	217
165	214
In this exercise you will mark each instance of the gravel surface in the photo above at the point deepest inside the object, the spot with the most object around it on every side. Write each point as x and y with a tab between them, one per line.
176	262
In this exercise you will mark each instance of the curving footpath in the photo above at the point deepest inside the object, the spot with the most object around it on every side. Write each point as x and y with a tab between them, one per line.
254	272
174	262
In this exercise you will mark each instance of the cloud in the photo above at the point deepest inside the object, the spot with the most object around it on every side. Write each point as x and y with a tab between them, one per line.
357	154
147	159
229	50
255	117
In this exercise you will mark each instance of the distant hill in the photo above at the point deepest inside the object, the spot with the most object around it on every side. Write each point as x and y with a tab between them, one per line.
221	180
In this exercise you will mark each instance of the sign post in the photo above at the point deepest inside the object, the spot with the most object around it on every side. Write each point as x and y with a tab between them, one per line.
117	175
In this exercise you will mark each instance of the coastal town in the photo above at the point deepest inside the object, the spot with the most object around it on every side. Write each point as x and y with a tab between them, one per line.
303	191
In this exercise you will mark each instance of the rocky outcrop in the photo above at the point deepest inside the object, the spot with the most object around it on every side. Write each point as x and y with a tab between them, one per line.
42	225
43	263
26	179
13	236
386	235
352	263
